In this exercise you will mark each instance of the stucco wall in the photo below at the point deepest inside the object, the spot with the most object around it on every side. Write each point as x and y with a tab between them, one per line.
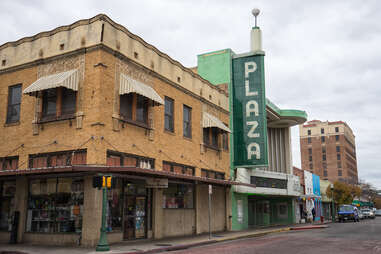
178	222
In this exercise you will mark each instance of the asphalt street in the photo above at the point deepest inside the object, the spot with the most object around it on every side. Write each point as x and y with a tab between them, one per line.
349	237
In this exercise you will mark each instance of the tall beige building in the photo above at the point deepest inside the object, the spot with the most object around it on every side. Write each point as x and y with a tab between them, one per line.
328	149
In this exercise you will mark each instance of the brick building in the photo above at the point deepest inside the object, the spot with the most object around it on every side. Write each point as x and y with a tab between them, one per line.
91	98
328	149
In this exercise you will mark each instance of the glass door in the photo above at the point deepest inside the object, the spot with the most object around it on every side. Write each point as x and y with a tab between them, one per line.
135	217
140	218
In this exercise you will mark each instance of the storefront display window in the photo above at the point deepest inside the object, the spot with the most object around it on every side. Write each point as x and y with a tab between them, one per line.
115	207
178	196
55	205
7	204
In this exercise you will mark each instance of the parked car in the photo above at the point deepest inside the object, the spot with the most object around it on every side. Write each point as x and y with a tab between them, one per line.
368	213
378	212
348	212
361	215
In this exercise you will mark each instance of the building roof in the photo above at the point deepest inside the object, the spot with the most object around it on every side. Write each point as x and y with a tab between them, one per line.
101	30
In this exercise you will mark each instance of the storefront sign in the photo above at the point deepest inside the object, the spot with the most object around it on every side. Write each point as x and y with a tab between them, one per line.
249	112
267	182
156	183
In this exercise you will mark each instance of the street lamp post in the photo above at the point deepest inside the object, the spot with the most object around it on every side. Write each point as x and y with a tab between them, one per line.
103	244
333	205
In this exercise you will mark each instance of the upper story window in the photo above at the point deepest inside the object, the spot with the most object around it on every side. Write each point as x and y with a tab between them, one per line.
337	137
9	163
225	141
211	137
212	127
58	103
169	114
212	174
336	129
134	107
322	139
338	149
322	130
187	121
57	159
323	149
58	93
310	151
135	99
14	102
178	168
129	160
308	132
309	140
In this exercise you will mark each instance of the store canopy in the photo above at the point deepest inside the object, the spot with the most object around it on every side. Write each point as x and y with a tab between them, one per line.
68	79
129	85
209	121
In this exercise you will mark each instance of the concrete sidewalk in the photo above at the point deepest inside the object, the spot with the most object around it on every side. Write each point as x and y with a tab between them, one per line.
149	246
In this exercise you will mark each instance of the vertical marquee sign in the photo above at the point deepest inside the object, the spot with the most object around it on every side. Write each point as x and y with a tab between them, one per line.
249	111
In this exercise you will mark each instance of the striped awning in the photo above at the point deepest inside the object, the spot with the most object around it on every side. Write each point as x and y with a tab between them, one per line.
209	121
68	79
129	85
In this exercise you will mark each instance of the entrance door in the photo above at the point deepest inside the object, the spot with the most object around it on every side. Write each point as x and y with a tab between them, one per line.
135	217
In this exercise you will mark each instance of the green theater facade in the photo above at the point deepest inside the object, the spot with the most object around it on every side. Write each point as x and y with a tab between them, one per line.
260	148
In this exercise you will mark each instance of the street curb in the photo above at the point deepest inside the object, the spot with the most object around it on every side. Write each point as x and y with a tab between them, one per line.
309	227
224	239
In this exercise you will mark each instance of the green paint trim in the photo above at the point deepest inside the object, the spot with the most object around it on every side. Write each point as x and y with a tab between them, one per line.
285	113
217	52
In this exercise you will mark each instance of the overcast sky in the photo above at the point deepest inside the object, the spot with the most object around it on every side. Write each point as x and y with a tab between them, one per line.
323	56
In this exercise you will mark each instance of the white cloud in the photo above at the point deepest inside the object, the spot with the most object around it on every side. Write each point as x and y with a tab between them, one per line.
321	56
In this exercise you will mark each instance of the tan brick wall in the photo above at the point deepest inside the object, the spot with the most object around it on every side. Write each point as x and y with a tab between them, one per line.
97	105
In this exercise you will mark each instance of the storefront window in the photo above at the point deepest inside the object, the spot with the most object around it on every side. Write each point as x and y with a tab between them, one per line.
55	205
115	207
7	204
178	196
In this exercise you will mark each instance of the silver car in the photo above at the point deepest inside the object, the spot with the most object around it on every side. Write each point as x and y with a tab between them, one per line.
368	213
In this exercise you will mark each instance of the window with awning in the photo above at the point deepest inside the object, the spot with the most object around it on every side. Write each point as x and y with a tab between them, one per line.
210	121
212	127
58	93
135	98
129	85
67	79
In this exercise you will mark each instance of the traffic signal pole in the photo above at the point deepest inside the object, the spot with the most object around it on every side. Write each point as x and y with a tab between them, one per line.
103	244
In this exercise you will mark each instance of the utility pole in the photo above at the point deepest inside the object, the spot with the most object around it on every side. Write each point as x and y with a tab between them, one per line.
333	205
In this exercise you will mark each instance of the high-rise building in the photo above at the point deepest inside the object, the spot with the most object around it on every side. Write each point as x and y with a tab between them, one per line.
328	149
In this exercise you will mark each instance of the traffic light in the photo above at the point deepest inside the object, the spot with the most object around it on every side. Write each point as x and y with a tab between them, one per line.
97	182
108	182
